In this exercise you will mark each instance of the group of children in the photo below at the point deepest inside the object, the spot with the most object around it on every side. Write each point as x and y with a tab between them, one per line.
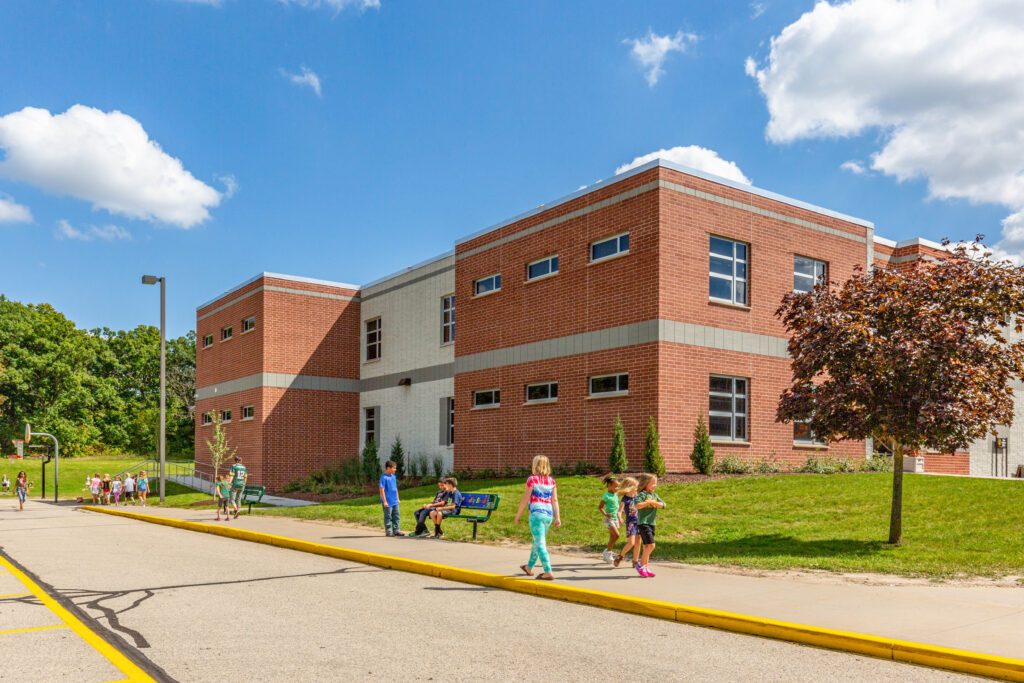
104	489
230	489
447	502
638	511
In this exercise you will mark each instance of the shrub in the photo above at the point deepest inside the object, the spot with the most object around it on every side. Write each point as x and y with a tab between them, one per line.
844	465
583	468
371	463
438	467
617	461
703	455
398	455
416	467
509	472
826	465
488	473
731	464
769	465
878	463
653	462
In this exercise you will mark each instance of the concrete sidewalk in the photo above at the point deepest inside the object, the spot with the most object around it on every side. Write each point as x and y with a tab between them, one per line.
989	620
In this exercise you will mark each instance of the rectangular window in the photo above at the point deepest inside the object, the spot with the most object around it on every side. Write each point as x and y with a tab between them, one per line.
609	384
448	319
489	398
249	323
803	434
208	341
727	414
373	339
248	412
612	246
451	420
370	415
546	266
808	272
491	283
225	416
548	391
728	273
226	333
207	418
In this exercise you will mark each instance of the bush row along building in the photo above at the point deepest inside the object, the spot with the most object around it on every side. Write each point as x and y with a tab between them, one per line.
651	294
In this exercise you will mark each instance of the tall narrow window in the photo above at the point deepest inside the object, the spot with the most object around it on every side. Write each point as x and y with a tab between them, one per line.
448	319
373	339
727	416
728	272
451	420
808	272
371	425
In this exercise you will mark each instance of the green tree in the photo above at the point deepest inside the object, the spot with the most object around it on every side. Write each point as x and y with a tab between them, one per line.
617	461
398	456
915	358
703	455
371	462
220	450
653	462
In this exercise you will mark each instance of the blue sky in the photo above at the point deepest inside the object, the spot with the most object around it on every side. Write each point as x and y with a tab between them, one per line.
432	120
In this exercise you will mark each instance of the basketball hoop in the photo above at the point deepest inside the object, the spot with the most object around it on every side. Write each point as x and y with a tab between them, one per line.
19	449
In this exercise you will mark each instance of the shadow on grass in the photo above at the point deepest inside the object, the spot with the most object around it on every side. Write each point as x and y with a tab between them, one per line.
766	545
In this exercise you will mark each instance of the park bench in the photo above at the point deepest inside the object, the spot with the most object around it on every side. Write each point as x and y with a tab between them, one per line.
253	494
474	505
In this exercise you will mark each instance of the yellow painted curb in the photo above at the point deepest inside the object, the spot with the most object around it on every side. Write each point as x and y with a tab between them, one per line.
112	654
1005	668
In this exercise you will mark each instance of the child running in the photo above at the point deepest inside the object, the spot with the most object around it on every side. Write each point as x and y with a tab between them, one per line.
221	494
647	504
628	510
143	486
542	498
115	488
609	507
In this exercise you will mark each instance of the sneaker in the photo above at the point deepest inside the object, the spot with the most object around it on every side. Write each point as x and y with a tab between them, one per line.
608	556
438	534
388	533
399	533
640	569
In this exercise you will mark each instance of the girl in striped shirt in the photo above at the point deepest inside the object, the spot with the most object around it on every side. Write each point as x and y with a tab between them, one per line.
542	498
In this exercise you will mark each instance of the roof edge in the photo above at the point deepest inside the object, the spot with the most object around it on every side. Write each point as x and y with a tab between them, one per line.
278	276
409	269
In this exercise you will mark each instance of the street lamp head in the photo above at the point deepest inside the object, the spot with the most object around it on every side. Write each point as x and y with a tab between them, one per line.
150	279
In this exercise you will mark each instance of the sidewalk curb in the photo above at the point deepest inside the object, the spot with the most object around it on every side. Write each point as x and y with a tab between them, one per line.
873	646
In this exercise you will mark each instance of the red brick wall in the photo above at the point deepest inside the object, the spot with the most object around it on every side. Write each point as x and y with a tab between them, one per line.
245	435
239	356
948	463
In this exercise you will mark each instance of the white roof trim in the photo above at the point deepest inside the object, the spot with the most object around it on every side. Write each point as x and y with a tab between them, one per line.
278	276
409	269
915	242
675	167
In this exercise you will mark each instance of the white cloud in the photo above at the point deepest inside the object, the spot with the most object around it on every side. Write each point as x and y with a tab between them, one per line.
652	50
757	9
307	77
13	212
942	81
107	233
103	158
230	185
854	167
336	5
699	158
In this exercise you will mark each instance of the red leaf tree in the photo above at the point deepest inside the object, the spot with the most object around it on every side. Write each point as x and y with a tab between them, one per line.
920	357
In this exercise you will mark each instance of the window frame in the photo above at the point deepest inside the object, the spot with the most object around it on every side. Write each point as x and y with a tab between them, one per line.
496	399
248	324
376	344
618	384
731	279
745	396
451	421
812	441
548	399
495	277
207	418
207	341
225	416
370	413
447	325
552	262
619	251
251	409
227	332
815	279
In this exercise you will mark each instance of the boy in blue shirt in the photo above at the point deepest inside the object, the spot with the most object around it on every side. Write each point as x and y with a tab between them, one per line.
452	506
389	499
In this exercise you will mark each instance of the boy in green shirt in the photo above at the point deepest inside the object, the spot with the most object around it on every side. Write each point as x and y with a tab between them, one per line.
647	504
238	477
609	507
220	493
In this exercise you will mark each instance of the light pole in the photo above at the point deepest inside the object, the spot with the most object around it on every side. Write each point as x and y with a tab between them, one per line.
152	280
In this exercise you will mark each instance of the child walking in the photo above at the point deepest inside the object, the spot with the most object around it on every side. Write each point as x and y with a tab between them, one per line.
142	484
609	507
628	510
542	498
94	487
389	499
221	494
21	488
106	489
115	488
129	489
647	504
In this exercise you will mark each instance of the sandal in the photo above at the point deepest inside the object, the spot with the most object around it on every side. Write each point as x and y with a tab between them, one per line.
617	560
547	576
526	570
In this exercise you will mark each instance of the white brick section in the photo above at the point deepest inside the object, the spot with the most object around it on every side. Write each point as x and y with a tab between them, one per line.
413	413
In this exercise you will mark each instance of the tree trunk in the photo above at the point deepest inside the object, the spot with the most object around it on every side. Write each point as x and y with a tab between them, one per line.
896	516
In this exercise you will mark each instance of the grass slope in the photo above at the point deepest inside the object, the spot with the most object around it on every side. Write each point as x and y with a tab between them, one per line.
952	526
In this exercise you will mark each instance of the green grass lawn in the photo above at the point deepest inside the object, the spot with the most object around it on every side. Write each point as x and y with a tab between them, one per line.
952	526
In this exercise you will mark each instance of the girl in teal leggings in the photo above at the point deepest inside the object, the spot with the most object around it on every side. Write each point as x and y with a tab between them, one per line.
542	498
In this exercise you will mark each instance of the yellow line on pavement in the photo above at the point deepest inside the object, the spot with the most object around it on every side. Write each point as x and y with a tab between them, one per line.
112	654
14	595
977	663
34	628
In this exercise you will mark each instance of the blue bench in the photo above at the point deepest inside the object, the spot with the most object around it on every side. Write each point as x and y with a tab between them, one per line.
474	505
